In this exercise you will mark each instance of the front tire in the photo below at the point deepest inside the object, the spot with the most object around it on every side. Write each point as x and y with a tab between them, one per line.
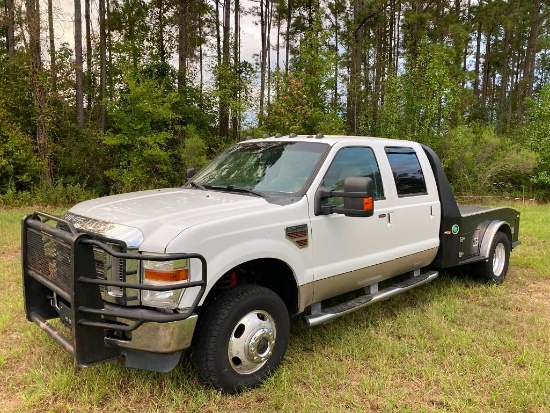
241	338
494	270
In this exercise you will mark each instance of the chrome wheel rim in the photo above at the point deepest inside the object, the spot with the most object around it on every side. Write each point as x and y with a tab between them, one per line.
499	259
251	343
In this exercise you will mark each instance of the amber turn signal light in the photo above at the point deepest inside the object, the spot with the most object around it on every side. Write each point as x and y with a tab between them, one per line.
177	274
367	204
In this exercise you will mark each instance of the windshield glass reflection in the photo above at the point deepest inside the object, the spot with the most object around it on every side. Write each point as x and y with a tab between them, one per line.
283	167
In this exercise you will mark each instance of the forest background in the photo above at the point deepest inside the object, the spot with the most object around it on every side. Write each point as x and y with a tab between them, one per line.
147	88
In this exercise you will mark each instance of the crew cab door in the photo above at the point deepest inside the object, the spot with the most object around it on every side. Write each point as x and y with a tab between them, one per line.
347	251
416	215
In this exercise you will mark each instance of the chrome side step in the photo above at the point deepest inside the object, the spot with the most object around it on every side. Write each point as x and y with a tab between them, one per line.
325	315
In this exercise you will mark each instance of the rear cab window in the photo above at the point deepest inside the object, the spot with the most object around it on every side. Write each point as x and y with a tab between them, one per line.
407	172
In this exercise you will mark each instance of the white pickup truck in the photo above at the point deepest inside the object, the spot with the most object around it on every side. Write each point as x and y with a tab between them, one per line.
272	227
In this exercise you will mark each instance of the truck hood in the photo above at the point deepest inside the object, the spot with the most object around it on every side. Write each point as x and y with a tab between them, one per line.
160	214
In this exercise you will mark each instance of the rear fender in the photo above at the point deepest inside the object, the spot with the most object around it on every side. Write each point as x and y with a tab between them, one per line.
492	229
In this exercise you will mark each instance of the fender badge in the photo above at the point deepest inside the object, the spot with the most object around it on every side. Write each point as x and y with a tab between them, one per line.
298	235
455	228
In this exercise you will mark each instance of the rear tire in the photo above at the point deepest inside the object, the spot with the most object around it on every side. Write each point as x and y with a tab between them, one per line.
241	338
494	270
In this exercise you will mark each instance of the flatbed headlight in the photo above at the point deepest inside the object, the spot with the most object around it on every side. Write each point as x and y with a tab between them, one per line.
163	273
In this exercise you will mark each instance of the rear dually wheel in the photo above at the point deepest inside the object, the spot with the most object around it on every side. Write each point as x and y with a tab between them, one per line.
494	270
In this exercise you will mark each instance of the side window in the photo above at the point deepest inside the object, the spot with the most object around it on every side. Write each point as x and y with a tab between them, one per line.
353	161
407	173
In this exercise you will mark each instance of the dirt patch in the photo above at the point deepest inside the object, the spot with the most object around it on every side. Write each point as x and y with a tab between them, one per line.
537	293
12	403
9	254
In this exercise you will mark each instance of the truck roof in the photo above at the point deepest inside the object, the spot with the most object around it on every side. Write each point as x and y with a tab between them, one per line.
331	139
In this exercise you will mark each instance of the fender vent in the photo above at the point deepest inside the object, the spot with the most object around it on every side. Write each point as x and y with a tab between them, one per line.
298	234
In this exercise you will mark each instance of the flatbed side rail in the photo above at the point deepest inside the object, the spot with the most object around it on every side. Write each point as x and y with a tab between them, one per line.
60	281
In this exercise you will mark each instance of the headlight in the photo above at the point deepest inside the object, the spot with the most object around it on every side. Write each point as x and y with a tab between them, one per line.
163	273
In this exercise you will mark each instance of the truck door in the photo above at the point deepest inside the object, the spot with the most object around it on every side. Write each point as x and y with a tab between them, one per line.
350	252
416	215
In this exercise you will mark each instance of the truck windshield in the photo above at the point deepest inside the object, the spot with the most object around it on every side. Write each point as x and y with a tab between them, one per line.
283	167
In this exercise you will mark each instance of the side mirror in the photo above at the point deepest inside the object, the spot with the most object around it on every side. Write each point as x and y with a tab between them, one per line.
358	197
190	173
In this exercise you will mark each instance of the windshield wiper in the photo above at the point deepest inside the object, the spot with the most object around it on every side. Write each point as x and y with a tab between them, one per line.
197	185
231	188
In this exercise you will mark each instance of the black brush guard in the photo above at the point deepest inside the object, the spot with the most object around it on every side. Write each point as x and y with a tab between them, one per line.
60	281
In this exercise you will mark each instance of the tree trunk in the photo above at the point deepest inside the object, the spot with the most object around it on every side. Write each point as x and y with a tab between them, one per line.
478	57
465	50
263	54
109	50
269	11
102	66
336	65
33	25
160	37
512	95
201	69
89	75
355	71
397	37
379	71
223	76
486	73
183	43
278	52
287	39
391	35
10	27
235	114
53	67
218	34
526	84
278	44
530	54
504	81
78	64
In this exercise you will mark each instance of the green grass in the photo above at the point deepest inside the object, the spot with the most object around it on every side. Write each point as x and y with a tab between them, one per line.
452	345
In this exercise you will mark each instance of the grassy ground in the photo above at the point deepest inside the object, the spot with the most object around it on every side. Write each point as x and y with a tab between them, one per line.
452	345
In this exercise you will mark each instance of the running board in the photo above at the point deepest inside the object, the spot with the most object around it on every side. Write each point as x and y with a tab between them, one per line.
328	314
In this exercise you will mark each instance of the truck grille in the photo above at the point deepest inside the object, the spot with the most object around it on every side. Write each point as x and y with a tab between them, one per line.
50	258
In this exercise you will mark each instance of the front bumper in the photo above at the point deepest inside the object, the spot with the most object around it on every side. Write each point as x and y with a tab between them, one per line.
158	337
60	281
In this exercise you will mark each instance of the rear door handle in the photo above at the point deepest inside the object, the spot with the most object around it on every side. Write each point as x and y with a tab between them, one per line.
389	225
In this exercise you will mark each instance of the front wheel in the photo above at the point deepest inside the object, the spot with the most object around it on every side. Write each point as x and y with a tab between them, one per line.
241	338
495	268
